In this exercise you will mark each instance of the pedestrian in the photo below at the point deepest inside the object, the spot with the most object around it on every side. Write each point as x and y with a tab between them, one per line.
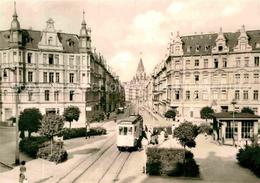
144	145
115	119
87	131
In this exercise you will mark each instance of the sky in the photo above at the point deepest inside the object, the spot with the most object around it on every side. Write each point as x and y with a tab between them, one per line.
125	30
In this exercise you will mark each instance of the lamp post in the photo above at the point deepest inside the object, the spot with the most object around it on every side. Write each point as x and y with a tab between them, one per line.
17	90
233	122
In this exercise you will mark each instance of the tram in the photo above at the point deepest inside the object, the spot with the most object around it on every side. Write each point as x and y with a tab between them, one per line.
129	131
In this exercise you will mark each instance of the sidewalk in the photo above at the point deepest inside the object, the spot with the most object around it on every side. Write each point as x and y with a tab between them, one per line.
39	170
160	120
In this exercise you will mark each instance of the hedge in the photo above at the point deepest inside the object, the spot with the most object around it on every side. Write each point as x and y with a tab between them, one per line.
169	162
69	133
250	158
30	146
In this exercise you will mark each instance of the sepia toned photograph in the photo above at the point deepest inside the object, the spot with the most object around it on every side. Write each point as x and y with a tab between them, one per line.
129	91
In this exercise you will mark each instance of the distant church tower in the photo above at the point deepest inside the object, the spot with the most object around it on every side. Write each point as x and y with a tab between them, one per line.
84	37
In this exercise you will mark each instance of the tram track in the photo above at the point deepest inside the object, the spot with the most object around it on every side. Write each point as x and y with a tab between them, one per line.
99	155
119	167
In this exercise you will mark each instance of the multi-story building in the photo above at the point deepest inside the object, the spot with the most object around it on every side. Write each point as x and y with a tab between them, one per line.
57	69
134	89
209	70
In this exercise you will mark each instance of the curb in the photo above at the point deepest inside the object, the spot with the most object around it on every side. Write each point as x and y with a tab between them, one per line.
6	165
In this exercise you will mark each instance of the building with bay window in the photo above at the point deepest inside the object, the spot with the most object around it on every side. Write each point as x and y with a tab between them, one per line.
209	70
57	70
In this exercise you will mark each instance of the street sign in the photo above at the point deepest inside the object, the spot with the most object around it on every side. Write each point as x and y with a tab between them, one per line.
88	108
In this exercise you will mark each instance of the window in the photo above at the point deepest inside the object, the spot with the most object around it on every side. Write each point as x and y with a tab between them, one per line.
197	63
30	76
30	94
191	114
224	62
237	94
238	61
246	78
177	95
257	62
247	129
57	59
237	78
246	61
231	129
47	95
205	95
220	48
71	95
56	95
197	77
187	63
256	77
197	48
57	77
29	58
224	95
215	63
245	94
189	48
206	63
215	94
44	58
207	47
45	80
71	61
196	94
51	77
50	40
187	95
51	62
255	95
71	79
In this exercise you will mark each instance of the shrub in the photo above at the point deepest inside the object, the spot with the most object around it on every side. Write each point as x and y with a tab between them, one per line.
58	154
30	146
248	110
162	161
81	132
96	116
250	158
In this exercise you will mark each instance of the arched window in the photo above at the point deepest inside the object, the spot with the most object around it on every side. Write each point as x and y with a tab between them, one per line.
50	41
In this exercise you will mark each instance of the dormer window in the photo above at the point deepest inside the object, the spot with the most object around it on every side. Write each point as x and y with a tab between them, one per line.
197	48
189	48
70	43
257	45
220	48
207	47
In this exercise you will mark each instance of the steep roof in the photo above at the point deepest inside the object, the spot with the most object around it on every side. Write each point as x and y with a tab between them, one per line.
205	42
31	38
140	68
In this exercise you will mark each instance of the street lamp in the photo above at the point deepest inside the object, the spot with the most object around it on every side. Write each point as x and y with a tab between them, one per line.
233	126
17	91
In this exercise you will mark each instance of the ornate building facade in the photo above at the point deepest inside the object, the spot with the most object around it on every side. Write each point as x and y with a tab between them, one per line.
54	70
209	70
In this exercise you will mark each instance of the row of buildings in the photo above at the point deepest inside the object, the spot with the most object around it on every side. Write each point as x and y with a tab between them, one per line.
220	70
207	70
54	70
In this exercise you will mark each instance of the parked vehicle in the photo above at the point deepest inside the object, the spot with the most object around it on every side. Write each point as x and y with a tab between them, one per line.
129	132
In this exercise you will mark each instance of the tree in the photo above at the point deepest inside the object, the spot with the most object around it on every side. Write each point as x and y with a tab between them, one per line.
71	113
248	110
170	114
206	113
186	134
29	120
51	125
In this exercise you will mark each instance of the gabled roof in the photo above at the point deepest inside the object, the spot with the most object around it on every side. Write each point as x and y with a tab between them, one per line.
209	40
229	115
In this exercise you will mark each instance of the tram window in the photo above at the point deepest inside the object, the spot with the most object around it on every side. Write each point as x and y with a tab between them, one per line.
130	129
120	130
125	130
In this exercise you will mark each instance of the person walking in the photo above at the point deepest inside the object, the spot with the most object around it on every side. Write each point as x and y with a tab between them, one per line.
22	175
